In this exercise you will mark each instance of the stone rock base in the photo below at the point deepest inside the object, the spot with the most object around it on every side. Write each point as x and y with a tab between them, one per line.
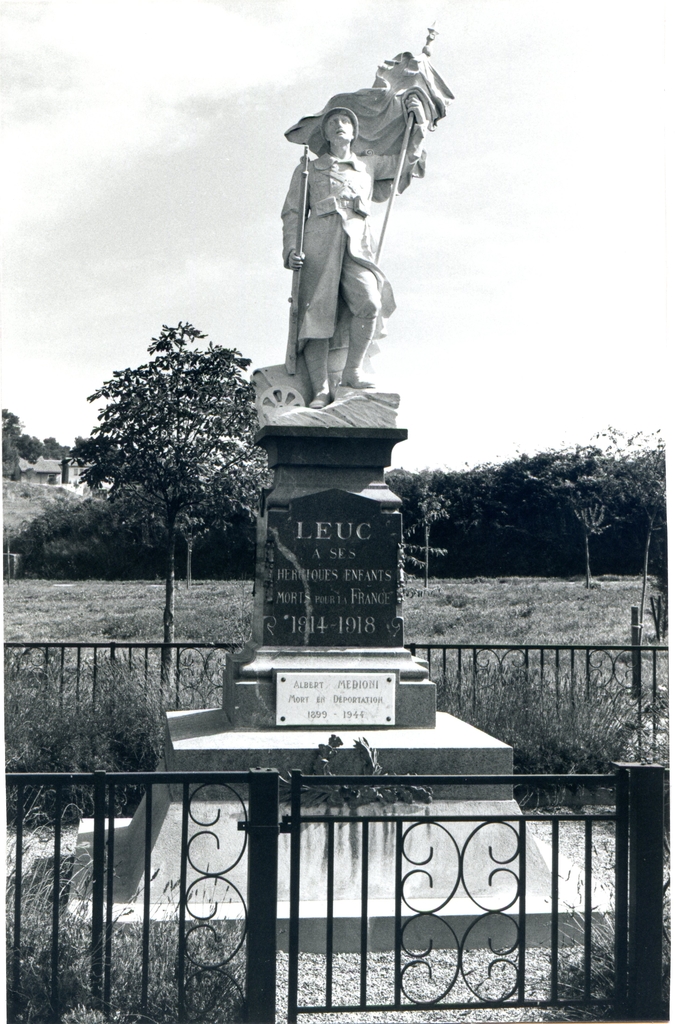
249	697
204	741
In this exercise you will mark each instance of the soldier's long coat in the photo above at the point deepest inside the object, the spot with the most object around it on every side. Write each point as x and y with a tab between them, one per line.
332	228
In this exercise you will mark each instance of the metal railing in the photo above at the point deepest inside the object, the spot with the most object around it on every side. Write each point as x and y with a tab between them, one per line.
190	674
631	682
166	917
633	679
467	932
100	917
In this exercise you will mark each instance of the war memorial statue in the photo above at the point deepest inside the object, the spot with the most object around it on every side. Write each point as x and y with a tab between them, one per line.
326	657
344	296
368	147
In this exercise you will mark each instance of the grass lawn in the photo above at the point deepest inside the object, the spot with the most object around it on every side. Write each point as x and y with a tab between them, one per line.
515	610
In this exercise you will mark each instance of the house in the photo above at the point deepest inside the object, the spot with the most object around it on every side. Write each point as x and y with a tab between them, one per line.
44	471
71	474
61	472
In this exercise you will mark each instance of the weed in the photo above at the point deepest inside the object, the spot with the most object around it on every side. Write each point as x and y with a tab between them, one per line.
212	993
50	730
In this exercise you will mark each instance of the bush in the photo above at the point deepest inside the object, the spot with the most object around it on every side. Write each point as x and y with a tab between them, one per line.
517	519
101	539
47	730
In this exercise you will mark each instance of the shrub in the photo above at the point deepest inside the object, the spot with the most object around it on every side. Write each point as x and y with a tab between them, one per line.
49	730
100	539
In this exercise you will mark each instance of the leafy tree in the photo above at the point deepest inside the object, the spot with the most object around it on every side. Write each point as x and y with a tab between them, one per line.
176	439
11	432
29	448
51	449
639	476
582	475
16	445
519	517
424	506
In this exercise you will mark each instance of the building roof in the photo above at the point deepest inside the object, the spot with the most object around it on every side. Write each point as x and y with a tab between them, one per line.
41	466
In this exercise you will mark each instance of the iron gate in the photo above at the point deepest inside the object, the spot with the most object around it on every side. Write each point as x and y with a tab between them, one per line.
452	948
368	941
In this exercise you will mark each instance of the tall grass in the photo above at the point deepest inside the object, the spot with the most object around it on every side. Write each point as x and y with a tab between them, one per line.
563	729
50	730
551	731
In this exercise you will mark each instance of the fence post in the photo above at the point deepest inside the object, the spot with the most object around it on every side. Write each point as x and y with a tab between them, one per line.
98	877
621	886
636	629
646	839
261	954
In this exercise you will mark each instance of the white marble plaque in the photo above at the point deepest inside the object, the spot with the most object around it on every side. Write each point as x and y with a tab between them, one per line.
336	698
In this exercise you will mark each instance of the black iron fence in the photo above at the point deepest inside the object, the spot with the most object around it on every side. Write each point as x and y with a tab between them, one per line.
151	920
630	681
190	674
452	909
458	904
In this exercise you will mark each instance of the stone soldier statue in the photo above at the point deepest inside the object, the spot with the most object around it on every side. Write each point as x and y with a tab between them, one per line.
343	295
368	144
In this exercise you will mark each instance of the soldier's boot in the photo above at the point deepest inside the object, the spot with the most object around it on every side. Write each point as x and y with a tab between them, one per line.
316	354
336	362
361	332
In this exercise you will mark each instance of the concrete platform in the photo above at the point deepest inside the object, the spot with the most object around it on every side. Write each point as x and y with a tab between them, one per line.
464	870
203	741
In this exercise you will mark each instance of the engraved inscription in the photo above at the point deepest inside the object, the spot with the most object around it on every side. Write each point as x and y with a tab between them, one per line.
332	572
335	698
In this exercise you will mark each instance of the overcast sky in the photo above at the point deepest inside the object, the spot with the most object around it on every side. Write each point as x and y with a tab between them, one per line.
146	166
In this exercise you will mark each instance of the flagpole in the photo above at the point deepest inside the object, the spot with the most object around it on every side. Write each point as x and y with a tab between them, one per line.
395	183
431	36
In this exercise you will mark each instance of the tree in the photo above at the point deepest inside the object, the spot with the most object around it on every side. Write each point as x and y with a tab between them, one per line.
587	488
176	437
639	468
11	432
429	507
16	445
51	449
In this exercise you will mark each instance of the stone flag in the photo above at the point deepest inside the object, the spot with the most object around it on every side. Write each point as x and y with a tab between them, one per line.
381	114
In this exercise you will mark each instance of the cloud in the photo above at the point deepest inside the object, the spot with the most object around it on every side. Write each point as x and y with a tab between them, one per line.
91	83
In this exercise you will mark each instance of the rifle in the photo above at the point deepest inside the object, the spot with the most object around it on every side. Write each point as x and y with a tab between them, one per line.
292	343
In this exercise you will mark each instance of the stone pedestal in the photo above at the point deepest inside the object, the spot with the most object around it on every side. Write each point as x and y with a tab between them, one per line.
328	630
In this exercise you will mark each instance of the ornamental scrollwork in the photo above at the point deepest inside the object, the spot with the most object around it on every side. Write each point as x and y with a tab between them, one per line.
472	955
215	908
